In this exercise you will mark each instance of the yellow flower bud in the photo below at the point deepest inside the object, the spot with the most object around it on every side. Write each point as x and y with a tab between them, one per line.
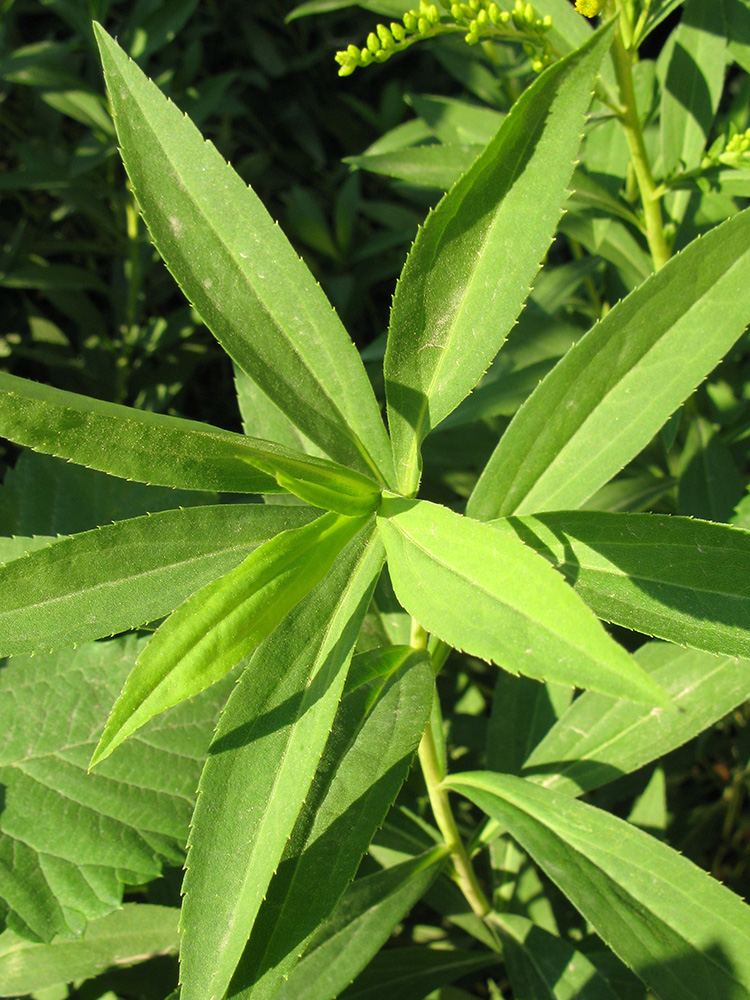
589	8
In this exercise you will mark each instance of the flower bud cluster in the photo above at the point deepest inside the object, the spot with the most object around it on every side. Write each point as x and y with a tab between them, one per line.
589	8
478	20
733	151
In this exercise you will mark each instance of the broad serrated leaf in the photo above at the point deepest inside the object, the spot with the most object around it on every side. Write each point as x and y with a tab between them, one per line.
170	451
676	578
681	932
598	740
360	923
68	840
467	276
375	734
617	386
236	266
543	966
488	594
91	585
223	622
260	767
133	934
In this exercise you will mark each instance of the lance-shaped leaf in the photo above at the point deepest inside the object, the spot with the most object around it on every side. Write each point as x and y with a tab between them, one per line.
406	973
683	933
223	622
676	578
260	766
467	276
236	266
597	739
123	575
170	451
617	386
488	594
360	923
127	936
376	732
543	966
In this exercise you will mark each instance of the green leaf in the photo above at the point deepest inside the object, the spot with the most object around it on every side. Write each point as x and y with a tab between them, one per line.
42	495
236	266
543	966
693	84
617	386
710	484
170	451
376	732
488	594
406	973
467	275
433	166
261	765
92	585
523	711
682	932
127	936
598	739
68	840
676	578
360	923
262	418
223	622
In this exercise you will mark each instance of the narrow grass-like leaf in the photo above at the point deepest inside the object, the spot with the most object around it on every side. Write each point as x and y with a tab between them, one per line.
467	276
523	616
682	932
376	732
260	766
617	386
360	923
223	622
92	585
544	966
133	934
169	451
236	266
675	578
597	740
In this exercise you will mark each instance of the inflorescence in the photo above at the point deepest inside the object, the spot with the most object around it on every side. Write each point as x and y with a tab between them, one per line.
477	20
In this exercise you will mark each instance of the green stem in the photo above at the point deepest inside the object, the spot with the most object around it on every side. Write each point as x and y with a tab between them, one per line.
657	242
433	769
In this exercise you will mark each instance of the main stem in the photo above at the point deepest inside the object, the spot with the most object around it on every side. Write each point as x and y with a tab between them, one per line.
433	770
657	242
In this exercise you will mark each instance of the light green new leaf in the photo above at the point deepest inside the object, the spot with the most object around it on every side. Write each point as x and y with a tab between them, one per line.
488	594
676	578
169	451
260	767
127	936
237	267
360	923
69	840
123	575
467	275
376	732
223	622
543	966
681	932
617	386
597	740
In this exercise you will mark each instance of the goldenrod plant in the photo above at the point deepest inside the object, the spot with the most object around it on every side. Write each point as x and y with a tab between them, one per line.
317	619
